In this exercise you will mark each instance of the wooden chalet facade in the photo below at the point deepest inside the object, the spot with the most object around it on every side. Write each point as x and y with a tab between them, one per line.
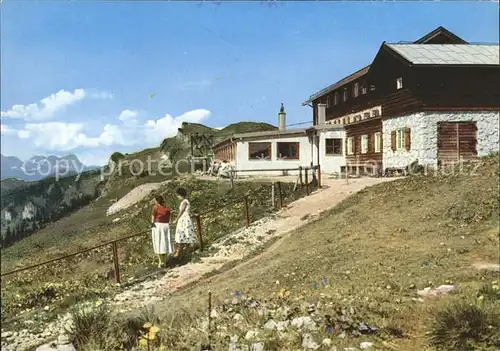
434	101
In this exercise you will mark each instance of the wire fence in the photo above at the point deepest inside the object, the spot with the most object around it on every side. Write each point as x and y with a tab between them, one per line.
211	225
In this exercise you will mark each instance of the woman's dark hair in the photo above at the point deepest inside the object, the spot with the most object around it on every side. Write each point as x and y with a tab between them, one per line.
182	192
160	200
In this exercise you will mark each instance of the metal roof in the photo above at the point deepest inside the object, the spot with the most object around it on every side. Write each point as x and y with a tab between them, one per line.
338	84
276	132
448	54
267	133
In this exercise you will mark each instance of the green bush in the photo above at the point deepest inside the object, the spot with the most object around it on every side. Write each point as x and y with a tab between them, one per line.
462	326
117	156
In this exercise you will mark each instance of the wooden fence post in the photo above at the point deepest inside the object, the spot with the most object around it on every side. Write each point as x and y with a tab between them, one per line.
319	176
198	229
307	181
116	265
346	175
247	212
300	176
272	196
280	195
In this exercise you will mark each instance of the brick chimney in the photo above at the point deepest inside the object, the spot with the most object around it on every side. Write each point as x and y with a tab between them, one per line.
282	118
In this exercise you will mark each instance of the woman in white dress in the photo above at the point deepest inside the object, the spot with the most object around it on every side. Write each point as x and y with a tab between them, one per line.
184	232
160	230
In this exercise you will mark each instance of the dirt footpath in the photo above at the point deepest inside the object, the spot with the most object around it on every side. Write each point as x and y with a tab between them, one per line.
244	242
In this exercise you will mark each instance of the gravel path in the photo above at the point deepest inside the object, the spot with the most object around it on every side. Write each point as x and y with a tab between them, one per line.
235	246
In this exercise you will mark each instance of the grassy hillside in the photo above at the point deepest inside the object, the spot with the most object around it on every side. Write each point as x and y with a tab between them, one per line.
243	127
364	261
88	275
49	200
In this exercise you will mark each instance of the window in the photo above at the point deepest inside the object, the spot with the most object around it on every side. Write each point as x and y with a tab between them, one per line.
372	87
355	90
363	89
328	102
346	93
259	151
336	98
378	142
364	144
333	146
350	146
399	83
288	151
400	139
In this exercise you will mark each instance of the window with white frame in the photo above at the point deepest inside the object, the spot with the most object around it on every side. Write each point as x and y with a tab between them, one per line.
363	89
399	83
333	146
356	90
400	139
336	98
328	101
364	144
346	94
378	142
350	145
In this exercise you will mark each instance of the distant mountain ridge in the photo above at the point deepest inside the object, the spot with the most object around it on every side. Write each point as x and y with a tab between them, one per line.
31	202
39	167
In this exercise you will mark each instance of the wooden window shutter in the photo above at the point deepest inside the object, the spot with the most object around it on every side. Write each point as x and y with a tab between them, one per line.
408	139
381	141
393	140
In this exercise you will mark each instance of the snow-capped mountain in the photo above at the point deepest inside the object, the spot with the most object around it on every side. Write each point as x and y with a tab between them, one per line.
39	167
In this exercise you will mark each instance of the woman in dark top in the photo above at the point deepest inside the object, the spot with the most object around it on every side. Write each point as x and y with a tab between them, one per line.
160	231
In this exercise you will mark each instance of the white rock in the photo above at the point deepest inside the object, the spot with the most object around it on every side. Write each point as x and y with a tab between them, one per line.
305	323
308	342
440	290
238	317
326	342
63	339
7	334
366	345
257	347
53	347
251	334
281	326
214	314
270	325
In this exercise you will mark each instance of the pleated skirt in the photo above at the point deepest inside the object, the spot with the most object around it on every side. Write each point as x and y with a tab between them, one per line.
160	235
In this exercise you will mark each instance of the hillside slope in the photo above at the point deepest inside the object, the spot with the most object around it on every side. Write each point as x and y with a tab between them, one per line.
29	206
372	253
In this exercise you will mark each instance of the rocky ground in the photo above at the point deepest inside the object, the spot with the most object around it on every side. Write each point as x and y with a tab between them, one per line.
231	248
133	197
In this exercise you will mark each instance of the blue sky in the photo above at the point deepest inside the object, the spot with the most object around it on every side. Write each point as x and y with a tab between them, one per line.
93	62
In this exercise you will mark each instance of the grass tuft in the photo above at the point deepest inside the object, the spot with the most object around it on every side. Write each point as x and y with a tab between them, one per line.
461	326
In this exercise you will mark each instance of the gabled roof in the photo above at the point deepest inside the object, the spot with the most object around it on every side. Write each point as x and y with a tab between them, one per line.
440	31
341	82
447	54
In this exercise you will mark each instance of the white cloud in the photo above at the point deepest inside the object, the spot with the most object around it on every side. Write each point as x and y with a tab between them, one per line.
50	105
6	129
67	136
103	95
128	116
